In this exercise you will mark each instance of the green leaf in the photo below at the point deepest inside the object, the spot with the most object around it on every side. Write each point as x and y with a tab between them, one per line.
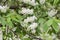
55	2
55	26
45	28
41	20
57	20
9	22
47	24
19	17
2	20
15	19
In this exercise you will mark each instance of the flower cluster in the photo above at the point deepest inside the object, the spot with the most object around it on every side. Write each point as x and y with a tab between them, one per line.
50	37
52	12
31	2
32	26
42	1
30	19
3	8
26	11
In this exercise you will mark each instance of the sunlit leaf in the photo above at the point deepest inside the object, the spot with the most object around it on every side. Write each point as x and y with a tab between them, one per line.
55	26
47	25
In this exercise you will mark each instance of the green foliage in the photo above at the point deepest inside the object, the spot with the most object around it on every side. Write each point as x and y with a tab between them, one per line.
13	25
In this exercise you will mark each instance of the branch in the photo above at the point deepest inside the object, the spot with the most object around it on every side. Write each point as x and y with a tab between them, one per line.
30	34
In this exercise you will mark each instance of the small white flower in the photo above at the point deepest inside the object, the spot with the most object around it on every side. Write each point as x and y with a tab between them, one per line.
16	38
52	12
10	38
23	24
26	36
27	11
14	29
31	2
42	1
59	24
53	36
32	26
3	8
26	1
30	19
33	31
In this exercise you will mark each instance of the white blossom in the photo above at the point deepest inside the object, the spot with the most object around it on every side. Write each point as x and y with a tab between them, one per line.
59	24
10	38
32	26
33	31
31	2
23	24
26	36
14	29
30	19
42	1
52	12
16	38
26	1
3	8
47	36
53	36
27	11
